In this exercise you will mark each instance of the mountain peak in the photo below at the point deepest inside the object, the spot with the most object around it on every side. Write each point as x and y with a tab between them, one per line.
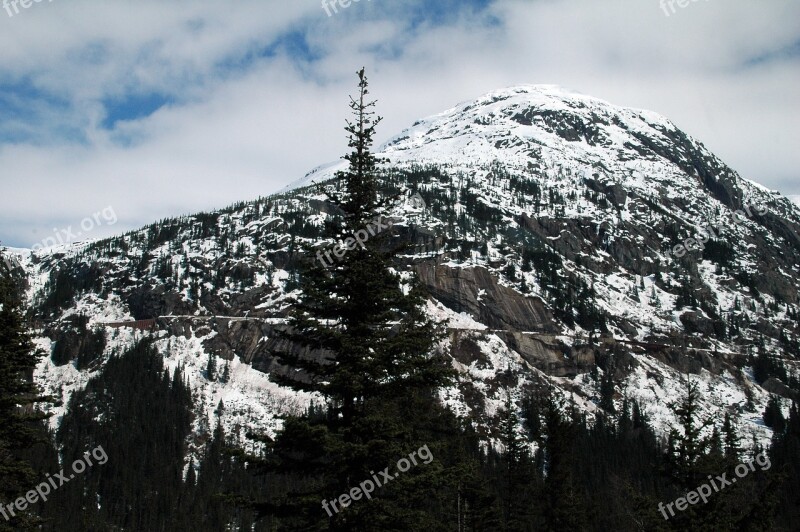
539	91
524	125
549	96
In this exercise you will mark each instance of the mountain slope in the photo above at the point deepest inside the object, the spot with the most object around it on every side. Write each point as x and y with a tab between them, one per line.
548	242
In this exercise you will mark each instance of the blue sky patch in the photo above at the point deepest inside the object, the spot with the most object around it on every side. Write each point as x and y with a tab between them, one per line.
133	107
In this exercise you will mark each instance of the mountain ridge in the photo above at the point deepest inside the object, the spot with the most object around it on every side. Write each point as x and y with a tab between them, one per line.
554	215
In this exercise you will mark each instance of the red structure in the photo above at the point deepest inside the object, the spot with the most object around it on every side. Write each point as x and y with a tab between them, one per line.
142	325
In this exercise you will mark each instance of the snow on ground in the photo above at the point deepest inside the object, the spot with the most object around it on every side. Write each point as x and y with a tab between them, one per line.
251	402
63	381
59	382
656	386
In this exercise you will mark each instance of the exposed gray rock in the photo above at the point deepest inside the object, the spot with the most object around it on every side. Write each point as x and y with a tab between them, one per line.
499	307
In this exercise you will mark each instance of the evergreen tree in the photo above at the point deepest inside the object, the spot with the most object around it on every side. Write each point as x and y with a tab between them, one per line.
733	447
694	458
518	472
366	346
564	504
226	373
688	445
140	415
607	391
785	461
20	422
211	367
773	415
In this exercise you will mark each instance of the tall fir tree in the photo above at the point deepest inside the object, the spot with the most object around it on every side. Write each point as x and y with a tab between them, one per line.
360	338
565	508
211	367
688	445
698	453
518	469
785	462
20	421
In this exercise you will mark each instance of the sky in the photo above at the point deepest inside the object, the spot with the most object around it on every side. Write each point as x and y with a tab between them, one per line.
151	109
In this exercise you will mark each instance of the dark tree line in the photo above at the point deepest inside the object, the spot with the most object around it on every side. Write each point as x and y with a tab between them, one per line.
22	434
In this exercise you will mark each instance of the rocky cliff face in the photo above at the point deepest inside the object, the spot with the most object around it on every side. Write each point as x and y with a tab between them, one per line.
562	239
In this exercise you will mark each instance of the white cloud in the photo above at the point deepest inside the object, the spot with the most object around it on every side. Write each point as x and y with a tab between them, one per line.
244	124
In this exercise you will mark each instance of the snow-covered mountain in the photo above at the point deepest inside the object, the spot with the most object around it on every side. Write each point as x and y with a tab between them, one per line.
559	241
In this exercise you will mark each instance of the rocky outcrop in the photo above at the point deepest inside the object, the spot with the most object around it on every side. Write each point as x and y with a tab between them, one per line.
547	354
476	292
773	385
